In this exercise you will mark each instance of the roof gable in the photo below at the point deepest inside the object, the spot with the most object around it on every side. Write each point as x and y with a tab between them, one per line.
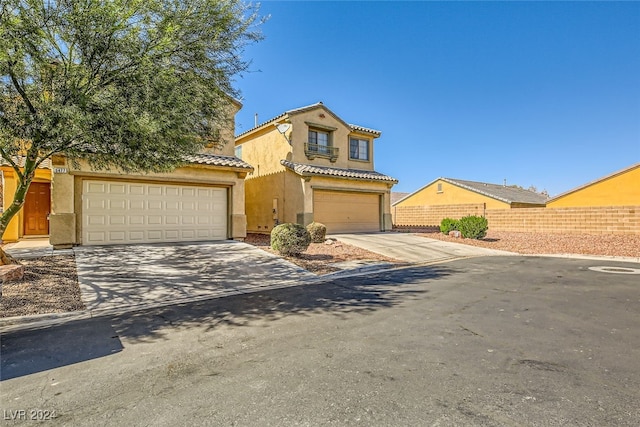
317	105
506	194
597	181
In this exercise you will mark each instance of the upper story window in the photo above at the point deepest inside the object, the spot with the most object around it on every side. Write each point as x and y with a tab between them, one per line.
358	149
319	141
320	144
238	151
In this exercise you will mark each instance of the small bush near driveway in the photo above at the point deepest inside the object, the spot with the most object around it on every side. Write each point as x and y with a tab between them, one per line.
290	239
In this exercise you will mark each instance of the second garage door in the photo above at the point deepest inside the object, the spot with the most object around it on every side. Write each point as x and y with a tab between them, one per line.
346	212
115	212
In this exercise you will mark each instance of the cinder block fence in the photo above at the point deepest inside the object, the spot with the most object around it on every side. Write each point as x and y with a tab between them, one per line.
582	220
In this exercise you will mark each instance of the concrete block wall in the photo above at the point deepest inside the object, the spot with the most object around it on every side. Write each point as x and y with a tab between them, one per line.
431	216
581	220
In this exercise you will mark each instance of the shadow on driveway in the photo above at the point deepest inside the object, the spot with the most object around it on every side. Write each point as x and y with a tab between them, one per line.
113	277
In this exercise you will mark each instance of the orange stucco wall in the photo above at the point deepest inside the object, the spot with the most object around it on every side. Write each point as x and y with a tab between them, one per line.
619	190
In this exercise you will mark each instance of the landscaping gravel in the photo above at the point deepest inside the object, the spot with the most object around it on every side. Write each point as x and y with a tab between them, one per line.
49	285
538	243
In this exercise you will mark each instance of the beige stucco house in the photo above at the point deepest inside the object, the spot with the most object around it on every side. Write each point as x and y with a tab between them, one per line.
311	165
74	204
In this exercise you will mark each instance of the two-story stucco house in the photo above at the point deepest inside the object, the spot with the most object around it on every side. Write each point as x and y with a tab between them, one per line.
311	165
74	204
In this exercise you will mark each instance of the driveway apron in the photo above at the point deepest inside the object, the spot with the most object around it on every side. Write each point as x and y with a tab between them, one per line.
414	249
115	277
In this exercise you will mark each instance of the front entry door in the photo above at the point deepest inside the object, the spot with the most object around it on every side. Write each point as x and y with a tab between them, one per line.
37	206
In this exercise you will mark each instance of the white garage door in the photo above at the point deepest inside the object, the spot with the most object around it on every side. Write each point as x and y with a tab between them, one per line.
129	212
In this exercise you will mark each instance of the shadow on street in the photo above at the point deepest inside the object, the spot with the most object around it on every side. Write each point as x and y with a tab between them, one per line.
25	353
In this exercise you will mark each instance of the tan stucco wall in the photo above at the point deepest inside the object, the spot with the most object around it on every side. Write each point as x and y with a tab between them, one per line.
264	147
618	190
450	195
66	217
265	151
15	229
340	139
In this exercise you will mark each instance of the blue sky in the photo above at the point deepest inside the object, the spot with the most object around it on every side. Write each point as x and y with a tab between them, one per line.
538	93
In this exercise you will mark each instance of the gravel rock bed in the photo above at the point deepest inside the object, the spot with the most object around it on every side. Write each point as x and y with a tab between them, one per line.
50	285
538	243
318	257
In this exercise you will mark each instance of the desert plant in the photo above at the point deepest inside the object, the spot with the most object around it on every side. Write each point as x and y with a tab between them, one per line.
448	224
290	239
473	227
317	231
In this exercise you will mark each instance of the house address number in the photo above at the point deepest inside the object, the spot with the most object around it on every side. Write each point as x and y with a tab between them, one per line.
60	170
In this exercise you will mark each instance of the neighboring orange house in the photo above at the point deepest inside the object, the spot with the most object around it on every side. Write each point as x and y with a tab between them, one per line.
449	191
621	188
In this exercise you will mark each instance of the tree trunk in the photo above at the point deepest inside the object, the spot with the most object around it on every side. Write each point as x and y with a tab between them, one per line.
6	259
24	181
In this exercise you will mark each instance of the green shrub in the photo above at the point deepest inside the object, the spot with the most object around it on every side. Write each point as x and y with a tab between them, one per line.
473	227
448	224
290	239
317	231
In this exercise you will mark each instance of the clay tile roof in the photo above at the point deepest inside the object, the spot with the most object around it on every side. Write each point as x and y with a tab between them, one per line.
217	160
365	130
46	163
310	170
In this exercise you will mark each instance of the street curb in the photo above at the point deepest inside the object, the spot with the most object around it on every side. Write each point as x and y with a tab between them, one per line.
588	257
39	321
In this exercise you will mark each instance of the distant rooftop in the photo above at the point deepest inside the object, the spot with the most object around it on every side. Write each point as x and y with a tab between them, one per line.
504	193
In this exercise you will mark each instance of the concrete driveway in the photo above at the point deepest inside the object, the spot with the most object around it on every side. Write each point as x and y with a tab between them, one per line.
125	276
414	249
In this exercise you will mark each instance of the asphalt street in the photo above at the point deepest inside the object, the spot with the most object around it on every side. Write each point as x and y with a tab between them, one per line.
495	341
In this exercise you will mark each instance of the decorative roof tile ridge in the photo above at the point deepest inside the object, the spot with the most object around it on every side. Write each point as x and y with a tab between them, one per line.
218	160
303	168
365	129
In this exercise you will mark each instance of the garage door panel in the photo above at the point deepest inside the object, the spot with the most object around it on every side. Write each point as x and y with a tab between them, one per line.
140	212
347	211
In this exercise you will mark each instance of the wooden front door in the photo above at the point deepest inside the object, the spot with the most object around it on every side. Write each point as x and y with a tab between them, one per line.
37	206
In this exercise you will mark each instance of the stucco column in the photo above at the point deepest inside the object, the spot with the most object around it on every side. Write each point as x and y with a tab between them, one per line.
238	214
306	216
62	219
387	219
